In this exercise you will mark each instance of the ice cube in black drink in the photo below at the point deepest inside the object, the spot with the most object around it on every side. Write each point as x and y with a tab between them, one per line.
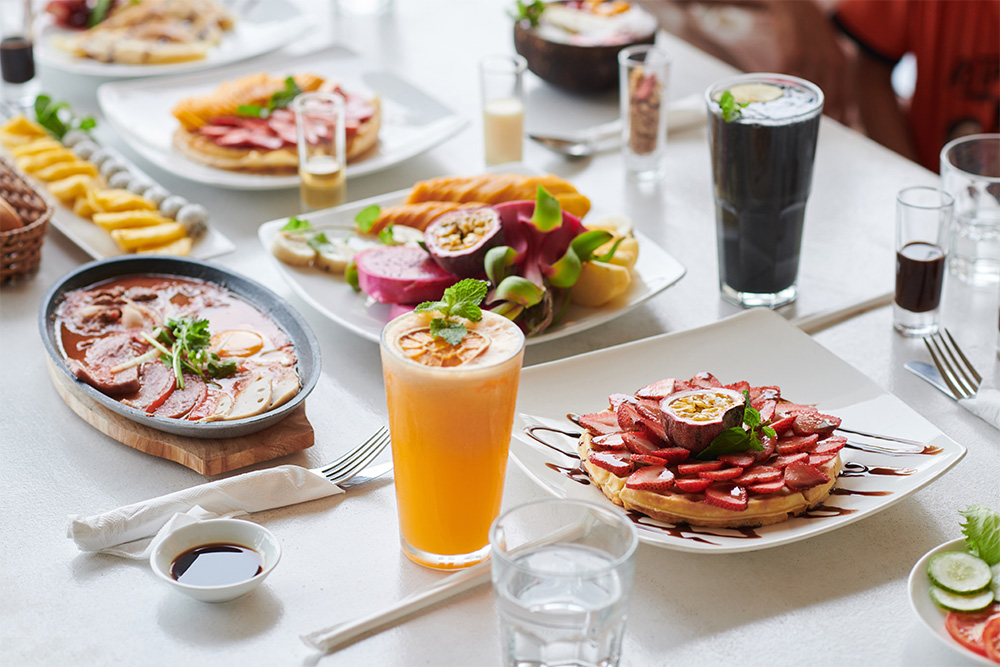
919	276
762	162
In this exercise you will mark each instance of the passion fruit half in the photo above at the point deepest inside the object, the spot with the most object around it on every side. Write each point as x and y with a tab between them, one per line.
458	240
693	418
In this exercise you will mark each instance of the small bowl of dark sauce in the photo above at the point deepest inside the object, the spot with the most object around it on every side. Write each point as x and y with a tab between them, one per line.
216	560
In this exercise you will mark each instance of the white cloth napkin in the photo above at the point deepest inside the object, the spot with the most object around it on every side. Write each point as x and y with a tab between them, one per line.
129	531
985	404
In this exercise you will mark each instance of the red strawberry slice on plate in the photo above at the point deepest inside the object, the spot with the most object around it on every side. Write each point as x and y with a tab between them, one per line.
638	442
766	410
672	455
599	423
833	444
758	475
766	487
651	418
727	496
783	424
720	475
739	459
769	444
705	380
608	442
615	463
758	394
820	459
701	466
785	409
652	478
740	386
787	459
797	443
646	460
657	390
628	415
691	484
801	475
815	422
614	400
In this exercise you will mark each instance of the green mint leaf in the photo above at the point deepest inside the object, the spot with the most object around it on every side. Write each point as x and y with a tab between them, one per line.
469	311
465	293
428	306
283	98
731	440
319	242
731	109
296	225
769	432
452	332
98	13
87	123
385	236
982	532
548	213
250	110
351	276
366	218
750	416
528	11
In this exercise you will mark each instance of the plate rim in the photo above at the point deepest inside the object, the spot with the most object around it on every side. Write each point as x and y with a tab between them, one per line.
957	450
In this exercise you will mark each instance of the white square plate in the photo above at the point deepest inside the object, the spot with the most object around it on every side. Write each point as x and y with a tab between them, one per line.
763	348
412	121
265	26
655	271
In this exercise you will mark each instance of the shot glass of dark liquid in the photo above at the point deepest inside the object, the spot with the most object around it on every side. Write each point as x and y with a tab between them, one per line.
762	134
923	226
17	61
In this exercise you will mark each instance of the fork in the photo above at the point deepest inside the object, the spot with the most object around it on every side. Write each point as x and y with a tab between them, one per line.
957	371
354	461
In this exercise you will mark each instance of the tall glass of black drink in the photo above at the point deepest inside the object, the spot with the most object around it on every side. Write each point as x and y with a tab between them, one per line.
762	134
17	62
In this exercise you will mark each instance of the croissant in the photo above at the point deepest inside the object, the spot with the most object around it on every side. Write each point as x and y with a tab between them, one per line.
498	188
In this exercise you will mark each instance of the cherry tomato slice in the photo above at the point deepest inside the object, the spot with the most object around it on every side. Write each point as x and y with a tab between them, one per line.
967	629
991	637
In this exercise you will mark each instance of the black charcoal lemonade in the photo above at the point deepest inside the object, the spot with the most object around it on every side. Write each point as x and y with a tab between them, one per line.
763	130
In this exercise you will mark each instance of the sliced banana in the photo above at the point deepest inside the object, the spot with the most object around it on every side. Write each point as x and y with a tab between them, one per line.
748	93
619	225
292	250
406	235
253	399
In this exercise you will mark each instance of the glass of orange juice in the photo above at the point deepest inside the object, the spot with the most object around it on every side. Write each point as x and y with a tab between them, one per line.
451	408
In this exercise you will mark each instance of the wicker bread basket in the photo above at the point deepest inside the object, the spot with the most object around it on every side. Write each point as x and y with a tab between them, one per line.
21	249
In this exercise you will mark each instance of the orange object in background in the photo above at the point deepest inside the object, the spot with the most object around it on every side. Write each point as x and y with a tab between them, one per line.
450	427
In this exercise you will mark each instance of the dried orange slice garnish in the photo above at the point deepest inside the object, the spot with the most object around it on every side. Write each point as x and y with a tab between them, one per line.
421	346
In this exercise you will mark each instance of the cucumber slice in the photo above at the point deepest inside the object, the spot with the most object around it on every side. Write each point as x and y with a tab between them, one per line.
959	572
963	603
996	581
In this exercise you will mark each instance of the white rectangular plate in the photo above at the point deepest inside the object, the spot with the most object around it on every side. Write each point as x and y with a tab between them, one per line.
765	349
412	121
264	26
654	272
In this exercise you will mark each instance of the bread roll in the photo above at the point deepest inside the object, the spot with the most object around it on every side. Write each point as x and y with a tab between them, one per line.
9	219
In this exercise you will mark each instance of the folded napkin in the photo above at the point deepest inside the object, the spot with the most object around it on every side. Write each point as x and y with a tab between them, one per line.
985	404
131	531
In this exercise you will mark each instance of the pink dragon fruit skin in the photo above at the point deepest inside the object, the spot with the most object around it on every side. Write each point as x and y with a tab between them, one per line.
401	274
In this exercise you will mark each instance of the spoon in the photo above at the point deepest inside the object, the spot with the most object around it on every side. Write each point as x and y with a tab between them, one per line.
585	143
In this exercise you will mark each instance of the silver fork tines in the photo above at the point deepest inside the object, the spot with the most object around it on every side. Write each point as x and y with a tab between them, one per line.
356	460
957	372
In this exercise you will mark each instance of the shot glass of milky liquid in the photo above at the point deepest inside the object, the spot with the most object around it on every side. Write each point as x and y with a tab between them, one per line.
923	224
319	119
562	576
501	81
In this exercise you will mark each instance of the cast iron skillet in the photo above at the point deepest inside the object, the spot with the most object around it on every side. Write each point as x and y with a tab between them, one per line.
306	345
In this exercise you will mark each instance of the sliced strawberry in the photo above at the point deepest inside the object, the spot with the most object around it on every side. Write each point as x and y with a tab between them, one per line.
672	455
653	478
727	496
627	414
701	466
769	444
787	459
766	487
815	422
615	463
758	394
820	459
705	380
832	444
766	410
637	442
758	475
609	442
657	390
721	475
801	475
651	418
599	423
740	386
739	459
782	424
681	385
614	400
691	484
796	444
646	460
785	409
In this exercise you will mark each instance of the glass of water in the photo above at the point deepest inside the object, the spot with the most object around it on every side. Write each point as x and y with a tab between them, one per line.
970	171
562	575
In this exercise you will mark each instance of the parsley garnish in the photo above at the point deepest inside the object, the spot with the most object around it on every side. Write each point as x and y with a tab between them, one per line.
731	109
460	300
738	439
188	341
366	217
529	11
279	100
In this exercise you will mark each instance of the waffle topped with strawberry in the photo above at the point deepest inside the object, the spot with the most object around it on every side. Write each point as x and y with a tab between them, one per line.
709	454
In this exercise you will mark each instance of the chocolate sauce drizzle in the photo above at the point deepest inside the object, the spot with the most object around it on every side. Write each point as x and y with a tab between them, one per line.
823	511
686	531
530	431
853	469
855	492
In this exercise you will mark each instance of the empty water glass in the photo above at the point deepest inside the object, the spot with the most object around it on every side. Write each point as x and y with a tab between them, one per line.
562	575
970	171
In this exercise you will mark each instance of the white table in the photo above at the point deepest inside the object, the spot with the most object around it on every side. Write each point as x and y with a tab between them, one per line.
836	598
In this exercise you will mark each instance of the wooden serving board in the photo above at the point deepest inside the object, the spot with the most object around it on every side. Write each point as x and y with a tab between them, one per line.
206	456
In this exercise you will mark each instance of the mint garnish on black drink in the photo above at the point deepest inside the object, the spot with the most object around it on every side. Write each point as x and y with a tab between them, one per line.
763	140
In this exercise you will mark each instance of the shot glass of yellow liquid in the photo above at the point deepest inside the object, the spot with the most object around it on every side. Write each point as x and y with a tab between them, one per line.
503	107
319	118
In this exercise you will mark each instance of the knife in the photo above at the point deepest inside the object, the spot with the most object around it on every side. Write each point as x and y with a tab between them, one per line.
930	374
